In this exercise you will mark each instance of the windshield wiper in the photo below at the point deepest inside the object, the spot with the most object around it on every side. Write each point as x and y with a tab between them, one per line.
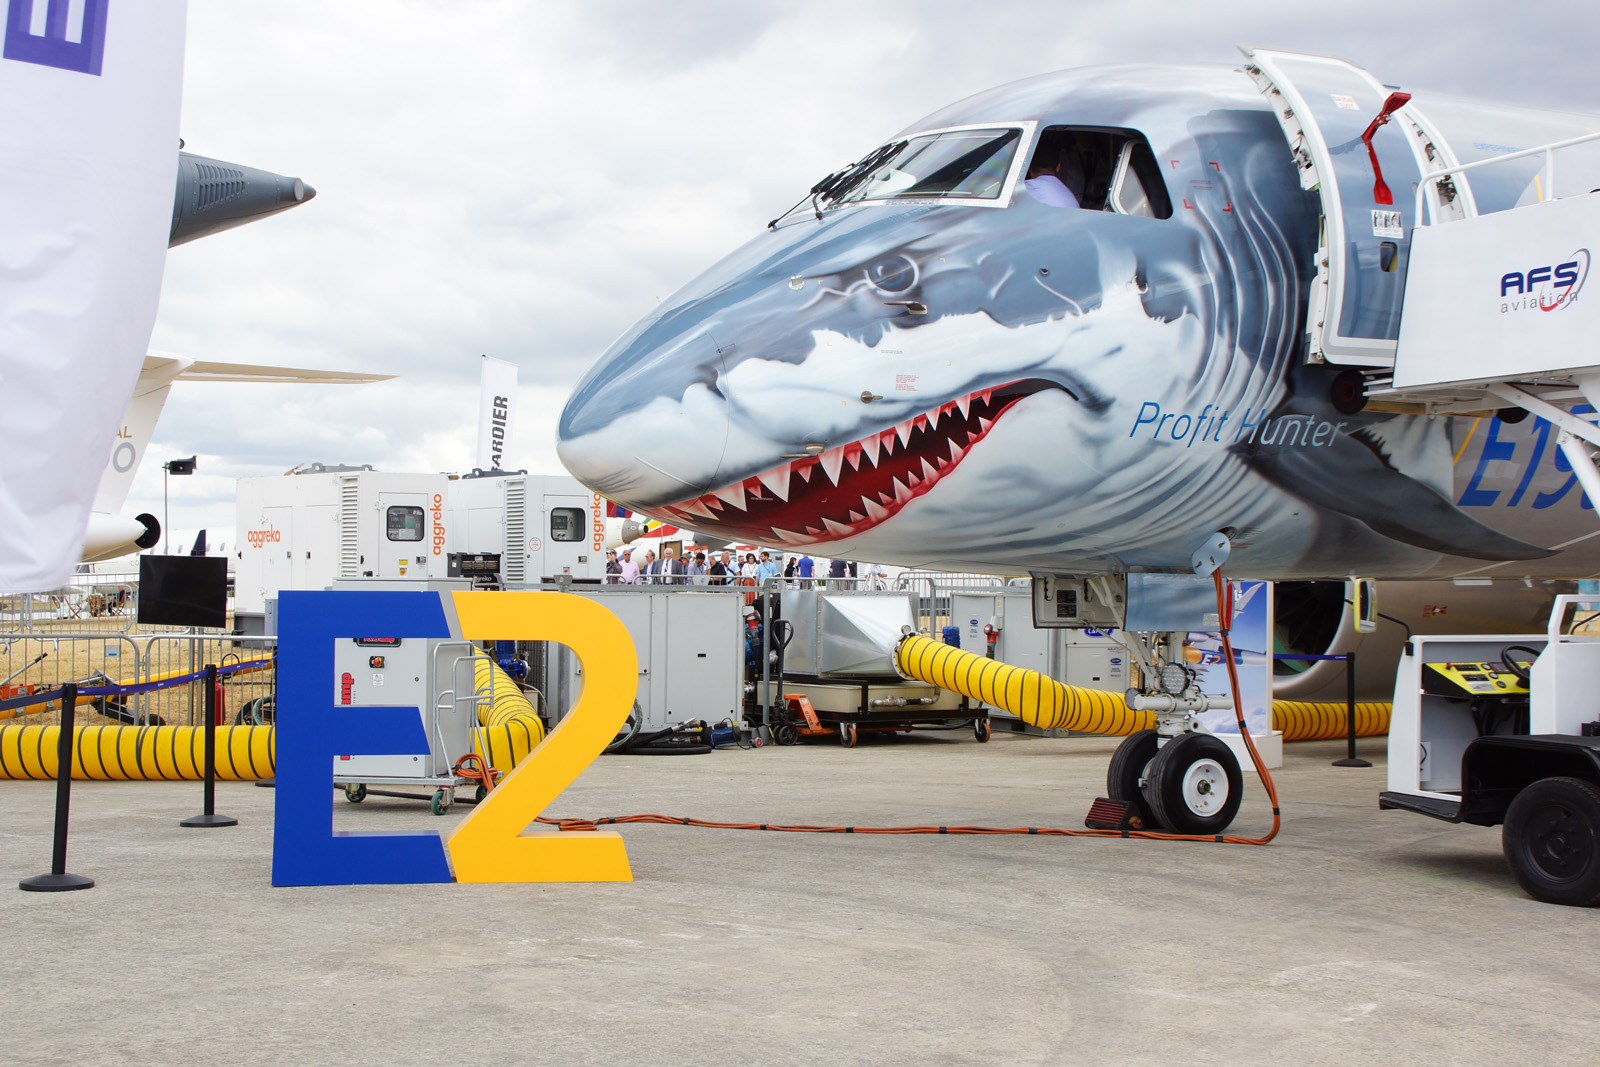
836	185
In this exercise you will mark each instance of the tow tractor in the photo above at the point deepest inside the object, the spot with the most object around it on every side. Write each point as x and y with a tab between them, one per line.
1506	730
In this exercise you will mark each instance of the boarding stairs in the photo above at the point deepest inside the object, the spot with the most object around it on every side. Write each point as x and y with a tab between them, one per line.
1498	316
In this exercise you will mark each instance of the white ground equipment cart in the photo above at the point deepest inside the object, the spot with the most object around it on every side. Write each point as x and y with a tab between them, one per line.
1501	730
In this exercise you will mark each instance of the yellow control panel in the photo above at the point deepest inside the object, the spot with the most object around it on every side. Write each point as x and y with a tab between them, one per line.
1476	679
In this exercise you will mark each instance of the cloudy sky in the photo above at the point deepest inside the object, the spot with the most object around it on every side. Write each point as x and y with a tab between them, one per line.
526	179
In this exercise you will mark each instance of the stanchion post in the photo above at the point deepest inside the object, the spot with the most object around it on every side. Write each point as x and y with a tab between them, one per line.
1350	759
58	880
209	817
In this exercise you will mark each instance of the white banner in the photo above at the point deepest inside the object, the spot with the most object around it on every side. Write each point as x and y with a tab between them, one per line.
88	166
496	407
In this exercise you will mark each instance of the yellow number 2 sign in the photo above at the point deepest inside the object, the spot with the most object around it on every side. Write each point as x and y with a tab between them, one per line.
495	843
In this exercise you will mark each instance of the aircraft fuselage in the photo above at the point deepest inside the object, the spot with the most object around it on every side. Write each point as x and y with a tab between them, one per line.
961	375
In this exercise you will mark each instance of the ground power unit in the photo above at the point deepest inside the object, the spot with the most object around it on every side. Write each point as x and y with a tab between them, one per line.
539	525
305	530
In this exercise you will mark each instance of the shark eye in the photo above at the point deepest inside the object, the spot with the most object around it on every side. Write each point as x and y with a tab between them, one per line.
895	274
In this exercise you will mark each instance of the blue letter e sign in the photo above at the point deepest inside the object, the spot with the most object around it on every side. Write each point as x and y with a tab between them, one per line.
312	730
69	34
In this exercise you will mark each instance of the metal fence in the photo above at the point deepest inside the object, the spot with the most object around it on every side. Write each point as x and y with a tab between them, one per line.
40	661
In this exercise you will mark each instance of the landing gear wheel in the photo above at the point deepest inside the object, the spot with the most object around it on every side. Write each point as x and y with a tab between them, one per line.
1194	785
1552	841
785	734
1129	765
982	729
441	801
848	734
355	792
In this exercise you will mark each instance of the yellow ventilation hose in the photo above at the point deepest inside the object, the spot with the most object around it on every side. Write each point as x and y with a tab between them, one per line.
1029	695
510	729
132	753
1301	721
1049	705
509	726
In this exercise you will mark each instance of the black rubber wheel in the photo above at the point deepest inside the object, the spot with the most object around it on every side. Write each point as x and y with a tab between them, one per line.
982	729
848	735
1552	841
479	793
1348	392
440	802
356	793
1194	785
785	734
1128	766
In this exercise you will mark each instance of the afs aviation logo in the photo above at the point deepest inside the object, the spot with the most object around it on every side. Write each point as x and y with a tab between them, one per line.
1545	288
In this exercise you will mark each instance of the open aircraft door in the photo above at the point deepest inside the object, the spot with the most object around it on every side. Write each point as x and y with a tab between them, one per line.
1365	168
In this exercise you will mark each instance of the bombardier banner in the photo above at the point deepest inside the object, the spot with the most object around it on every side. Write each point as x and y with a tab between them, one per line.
495	410
89	96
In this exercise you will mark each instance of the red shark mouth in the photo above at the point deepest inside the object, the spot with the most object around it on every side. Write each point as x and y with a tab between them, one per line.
851	488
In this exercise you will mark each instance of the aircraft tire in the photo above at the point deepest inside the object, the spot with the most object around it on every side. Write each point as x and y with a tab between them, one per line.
1551	841
1129	764
1195	785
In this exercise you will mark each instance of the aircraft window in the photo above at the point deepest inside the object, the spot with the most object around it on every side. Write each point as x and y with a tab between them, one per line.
567	524
1105	170
954	165
404	523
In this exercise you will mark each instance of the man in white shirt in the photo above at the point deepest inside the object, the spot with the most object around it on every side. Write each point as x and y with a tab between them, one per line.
1053	175
630	569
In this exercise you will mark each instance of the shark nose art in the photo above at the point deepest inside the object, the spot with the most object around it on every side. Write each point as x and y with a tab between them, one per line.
851	488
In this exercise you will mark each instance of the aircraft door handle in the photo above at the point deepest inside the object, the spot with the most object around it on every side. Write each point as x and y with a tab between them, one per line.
868	396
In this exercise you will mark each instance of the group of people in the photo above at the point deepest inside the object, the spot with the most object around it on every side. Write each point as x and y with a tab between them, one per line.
724	569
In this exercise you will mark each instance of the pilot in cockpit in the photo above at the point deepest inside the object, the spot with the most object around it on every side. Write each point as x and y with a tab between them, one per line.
1055	176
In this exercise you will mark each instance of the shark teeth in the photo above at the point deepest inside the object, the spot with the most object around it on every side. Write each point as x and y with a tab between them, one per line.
699	510
832	461
776	481
856	516
888	439
928	470
836	529
731	494
788	537
852	455
904	432
964	404
983	424
869	448
901	493
875	511
804	470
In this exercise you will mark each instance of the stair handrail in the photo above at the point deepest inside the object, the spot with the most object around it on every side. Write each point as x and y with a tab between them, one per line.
1548	151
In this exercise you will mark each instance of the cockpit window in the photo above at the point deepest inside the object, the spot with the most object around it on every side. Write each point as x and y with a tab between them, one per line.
953	165
1103	170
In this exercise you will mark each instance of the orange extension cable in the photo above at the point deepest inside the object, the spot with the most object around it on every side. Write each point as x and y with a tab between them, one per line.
1224	614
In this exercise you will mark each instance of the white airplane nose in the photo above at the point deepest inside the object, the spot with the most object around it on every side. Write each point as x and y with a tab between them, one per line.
648	428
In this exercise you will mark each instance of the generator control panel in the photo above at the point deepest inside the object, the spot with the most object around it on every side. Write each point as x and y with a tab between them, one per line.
1471	679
